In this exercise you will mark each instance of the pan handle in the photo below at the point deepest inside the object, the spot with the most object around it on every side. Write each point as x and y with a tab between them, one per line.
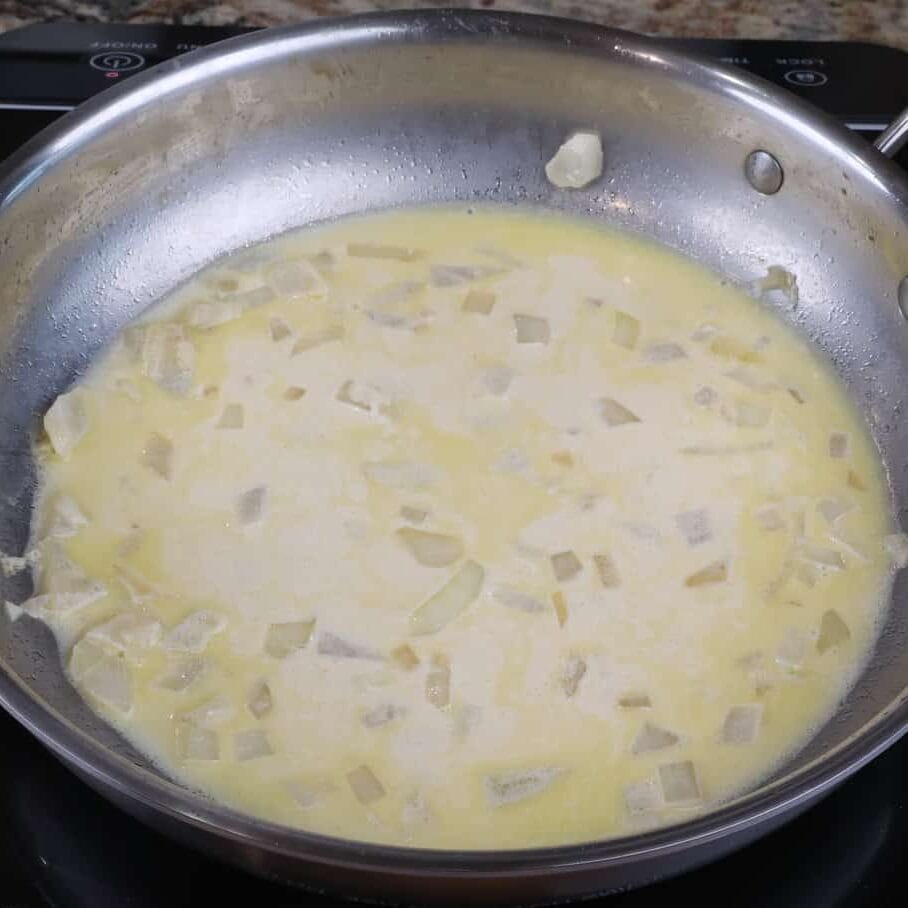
891	140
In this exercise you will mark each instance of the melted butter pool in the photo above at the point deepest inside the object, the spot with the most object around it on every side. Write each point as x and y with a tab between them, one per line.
453	529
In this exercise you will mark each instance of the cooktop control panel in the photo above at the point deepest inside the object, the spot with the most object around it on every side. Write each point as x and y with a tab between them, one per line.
52	68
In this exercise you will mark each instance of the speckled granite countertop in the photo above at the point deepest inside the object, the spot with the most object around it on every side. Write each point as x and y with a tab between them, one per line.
884	21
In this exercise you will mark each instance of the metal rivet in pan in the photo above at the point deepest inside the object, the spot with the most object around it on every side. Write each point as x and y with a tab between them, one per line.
903	297
764	172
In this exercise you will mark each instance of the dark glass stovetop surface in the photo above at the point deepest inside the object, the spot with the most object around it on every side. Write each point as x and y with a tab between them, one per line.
63	845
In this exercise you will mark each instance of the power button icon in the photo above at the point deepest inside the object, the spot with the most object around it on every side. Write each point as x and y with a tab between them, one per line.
808	77
116	61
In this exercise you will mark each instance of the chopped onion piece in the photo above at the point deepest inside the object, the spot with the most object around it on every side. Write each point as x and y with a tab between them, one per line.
466	719
70	587
833	631
855	482
211	313
769	518
326	336
404	476
251	744
126	629
626	332
704	332
778	278
742	724
497	379
642	797
405	657
694	526
616	414
717	572
259	701
365	785
822	556
182	674
331	645
214	711
11	565
515	599
294	392
250	506
456	275
679	783
652	737
479	302
531	329
252	299
806	573
560	606
362	396
746	376
415	811
831	509
751	416
572	674
84	656
66	517
513	785
194	632
279	329
324	260
138	588
284	639
431	549
664	353
450	601
231	418
607	571
563	458
706	397
438	681
791	651
309	794
565	565
396	293
296	279
168	358
838	445
414	515
635	701
727	347
382	715
896	546
197	743
377	251
785	573
577	162
104	676
66	422
157	455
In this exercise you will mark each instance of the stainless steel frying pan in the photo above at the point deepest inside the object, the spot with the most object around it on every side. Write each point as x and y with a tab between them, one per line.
121	201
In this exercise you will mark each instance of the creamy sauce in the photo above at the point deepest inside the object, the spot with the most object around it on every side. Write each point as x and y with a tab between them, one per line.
656	521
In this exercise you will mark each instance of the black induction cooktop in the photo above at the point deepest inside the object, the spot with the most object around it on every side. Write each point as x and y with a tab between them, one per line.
62	845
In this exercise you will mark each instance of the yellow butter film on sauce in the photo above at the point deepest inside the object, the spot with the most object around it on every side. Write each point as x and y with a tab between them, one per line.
460	529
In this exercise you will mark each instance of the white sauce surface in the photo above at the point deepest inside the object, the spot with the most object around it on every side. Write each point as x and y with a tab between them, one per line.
717	507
